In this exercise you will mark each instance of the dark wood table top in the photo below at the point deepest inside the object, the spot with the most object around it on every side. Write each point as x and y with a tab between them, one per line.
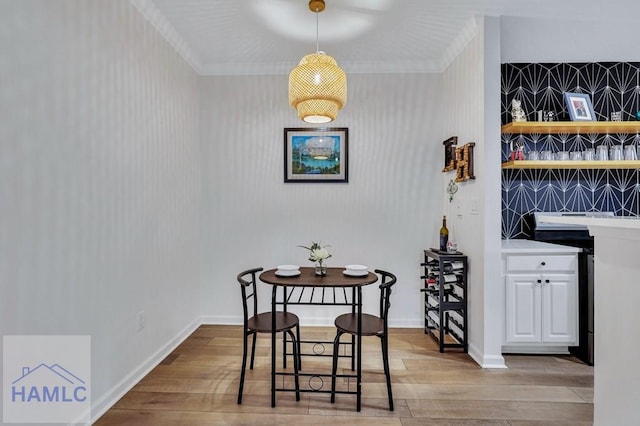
308	278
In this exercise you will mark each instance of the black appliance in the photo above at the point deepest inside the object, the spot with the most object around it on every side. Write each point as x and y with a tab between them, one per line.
575	236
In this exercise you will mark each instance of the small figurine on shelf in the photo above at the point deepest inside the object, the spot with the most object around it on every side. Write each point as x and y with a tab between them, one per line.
549	116
517	113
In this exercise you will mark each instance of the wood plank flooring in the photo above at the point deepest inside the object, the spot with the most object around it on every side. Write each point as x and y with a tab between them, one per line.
197	384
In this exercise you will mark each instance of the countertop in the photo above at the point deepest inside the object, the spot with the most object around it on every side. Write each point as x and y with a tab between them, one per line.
518	246
619	222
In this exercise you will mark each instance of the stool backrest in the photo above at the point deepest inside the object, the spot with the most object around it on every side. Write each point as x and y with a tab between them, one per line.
247	280
388	281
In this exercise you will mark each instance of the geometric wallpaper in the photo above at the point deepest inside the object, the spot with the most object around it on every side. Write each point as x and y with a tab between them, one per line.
612	86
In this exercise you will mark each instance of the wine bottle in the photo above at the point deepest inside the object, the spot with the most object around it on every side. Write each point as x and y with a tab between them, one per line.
452	266
450	278
444	235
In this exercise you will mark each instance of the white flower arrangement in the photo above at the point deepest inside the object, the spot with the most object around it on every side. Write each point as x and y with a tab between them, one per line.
317	252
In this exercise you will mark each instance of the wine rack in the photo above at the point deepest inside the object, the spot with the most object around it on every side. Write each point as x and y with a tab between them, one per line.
445	298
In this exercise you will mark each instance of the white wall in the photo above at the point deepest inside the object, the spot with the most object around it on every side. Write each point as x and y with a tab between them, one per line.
384	217
464	118
563	40
99	183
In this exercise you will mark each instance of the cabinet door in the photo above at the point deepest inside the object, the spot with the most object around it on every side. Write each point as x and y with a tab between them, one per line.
559	308
523	308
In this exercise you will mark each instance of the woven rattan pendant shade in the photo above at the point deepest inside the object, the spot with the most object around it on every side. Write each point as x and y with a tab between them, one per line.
317	88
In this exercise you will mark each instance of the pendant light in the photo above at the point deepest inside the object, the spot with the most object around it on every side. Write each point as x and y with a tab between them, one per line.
317	86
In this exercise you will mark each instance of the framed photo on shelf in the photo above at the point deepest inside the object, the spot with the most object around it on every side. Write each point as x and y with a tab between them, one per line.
579	106
316	155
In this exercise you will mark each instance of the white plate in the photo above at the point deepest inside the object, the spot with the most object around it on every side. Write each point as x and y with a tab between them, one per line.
288	267
356	268
352	273
287	273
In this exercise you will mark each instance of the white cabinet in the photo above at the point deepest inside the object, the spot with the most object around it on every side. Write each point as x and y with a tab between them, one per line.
541	301
541	308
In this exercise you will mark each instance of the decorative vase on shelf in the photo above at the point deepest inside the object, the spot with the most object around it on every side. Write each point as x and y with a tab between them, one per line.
321	269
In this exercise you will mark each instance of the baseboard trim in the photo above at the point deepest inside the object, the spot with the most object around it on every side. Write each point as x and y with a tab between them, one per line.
220	320
533	349
108	400
306	321
486	361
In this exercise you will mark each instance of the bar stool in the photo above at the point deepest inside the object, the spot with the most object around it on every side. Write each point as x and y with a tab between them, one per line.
261	323
371	326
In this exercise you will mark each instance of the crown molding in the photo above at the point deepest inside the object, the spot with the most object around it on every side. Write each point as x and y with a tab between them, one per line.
350	67
457	46
149	10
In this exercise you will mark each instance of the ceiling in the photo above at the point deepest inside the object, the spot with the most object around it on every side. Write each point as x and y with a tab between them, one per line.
230	37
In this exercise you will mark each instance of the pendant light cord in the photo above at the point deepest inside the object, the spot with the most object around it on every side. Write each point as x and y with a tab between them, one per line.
317	42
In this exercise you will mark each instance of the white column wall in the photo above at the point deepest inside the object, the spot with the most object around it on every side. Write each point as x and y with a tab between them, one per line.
474	211
493	281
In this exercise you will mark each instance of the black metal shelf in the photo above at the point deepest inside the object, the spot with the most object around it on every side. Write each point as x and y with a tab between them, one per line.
441	301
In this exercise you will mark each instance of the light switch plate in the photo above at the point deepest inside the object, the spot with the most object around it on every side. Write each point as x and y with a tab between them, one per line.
474	206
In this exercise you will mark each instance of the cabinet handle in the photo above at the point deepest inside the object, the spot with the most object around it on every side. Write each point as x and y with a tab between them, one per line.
546	281
539	281
543	263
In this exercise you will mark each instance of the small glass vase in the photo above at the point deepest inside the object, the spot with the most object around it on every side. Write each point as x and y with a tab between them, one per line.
321	269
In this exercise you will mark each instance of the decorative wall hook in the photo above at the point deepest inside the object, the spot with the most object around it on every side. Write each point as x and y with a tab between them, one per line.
452	188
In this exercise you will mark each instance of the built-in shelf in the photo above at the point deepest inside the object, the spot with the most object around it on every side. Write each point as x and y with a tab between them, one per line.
528	164
570	127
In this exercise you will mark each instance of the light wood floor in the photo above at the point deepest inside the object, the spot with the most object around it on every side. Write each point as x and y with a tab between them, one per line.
197	385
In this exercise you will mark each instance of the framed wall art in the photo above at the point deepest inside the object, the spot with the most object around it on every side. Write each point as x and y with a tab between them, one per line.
579	106
316	155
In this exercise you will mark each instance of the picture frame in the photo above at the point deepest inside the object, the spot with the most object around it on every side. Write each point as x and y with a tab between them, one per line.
579	106
316	155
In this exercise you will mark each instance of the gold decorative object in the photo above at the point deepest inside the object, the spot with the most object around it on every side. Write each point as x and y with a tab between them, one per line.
464	162
450	153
